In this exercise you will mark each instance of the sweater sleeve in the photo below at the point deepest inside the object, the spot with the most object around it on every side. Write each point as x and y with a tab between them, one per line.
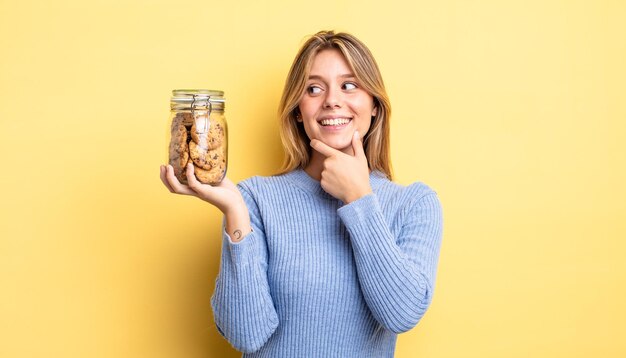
396	272
242	306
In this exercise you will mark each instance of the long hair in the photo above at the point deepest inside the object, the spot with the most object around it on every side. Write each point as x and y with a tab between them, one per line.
362	63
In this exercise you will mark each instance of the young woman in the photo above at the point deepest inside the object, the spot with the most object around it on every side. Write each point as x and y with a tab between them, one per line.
329	258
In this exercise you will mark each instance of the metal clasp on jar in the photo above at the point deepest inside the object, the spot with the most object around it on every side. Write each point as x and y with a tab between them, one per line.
201	108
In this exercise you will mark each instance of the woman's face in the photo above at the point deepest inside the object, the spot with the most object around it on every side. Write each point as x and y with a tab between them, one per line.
334	105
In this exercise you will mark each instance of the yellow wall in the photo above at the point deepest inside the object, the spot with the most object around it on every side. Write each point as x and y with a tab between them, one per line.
513	111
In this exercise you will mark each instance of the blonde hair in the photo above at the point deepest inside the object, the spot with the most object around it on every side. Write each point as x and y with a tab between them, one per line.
362	63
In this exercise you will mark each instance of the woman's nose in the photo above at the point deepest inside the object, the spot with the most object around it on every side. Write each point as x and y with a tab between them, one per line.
333	99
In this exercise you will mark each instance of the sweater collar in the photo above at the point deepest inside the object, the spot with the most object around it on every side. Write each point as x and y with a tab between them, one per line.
301	179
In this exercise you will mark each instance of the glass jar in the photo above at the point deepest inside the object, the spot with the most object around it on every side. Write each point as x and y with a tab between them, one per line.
198	135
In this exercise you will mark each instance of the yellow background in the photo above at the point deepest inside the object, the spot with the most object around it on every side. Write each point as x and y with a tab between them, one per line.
514	111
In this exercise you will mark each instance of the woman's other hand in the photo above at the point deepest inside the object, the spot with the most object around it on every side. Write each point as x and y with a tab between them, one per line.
344	176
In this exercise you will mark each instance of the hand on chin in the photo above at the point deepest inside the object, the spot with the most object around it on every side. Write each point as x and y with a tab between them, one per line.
343	144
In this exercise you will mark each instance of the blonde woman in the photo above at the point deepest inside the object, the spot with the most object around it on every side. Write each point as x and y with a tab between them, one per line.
328	258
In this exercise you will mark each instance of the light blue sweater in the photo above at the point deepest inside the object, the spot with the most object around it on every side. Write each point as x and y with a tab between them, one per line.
317	278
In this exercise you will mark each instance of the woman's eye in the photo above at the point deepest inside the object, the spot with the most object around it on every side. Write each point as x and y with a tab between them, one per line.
349	86
314	90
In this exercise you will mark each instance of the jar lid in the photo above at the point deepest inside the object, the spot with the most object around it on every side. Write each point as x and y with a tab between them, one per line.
185	99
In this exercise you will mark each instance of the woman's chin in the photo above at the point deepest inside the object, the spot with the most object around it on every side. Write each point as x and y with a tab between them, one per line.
337	143
345	149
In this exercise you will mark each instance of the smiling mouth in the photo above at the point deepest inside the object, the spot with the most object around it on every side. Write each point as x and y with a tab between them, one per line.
334	122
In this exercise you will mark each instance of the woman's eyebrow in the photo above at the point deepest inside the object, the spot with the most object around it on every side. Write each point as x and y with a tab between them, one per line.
317	77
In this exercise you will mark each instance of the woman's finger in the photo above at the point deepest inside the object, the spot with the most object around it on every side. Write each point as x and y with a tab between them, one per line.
202	190
162	172
164	179
193	183
175	184
324	149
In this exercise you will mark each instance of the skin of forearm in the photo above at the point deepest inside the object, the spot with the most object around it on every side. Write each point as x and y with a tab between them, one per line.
238	222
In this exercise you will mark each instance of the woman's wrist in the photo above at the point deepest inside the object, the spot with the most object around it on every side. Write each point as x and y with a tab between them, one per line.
238	222
357	195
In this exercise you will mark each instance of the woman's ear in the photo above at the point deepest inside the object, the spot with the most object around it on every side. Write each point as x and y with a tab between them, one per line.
375	111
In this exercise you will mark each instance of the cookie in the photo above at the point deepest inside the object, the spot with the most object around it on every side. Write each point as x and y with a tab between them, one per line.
185	118
179	150
207	134
206	159
213	176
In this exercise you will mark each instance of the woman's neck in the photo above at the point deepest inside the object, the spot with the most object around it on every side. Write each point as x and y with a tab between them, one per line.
315	166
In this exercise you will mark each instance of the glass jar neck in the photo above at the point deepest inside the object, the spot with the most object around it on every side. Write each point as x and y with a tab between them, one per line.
197	100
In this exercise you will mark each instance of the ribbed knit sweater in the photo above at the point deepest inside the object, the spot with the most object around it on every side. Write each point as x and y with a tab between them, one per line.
317	278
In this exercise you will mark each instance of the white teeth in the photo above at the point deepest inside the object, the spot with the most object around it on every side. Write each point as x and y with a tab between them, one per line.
334	121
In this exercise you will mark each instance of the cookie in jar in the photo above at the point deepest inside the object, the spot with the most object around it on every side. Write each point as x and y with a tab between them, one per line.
198	135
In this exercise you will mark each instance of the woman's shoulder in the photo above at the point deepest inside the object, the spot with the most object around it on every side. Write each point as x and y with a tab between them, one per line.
416	188
263	182
412	200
